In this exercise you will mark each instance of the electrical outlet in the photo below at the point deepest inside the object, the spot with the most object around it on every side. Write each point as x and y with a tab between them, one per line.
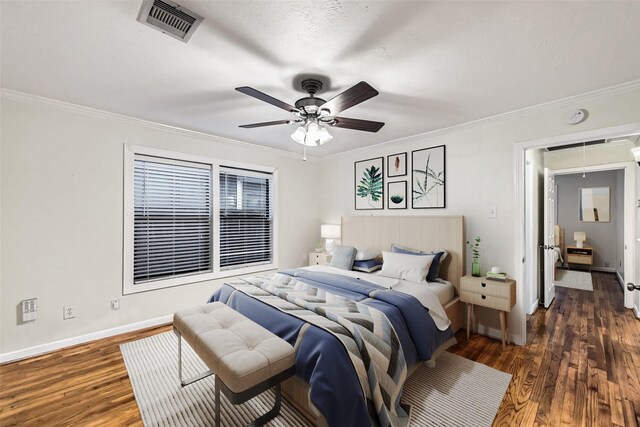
69	312
115	304
493	212
606	263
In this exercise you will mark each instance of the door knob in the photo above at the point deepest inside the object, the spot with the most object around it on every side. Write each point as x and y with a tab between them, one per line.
633	287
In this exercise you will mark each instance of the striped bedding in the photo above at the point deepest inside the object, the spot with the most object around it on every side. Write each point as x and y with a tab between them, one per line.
350	335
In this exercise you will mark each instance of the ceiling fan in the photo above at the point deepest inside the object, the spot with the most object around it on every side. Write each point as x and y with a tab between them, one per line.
313	113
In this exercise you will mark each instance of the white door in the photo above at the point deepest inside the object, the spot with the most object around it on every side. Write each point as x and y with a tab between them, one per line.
549	236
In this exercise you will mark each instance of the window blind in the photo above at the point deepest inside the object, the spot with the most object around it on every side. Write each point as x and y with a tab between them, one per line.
172	219
246	220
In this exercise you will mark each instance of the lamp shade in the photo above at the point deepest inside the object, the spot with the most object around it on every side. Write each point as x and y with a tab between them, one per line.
579	236
298	135
330	231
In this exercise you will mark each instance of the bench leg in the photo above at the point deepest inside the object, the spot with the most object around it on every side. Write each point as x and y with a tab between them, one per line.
192	379
261	420
217	407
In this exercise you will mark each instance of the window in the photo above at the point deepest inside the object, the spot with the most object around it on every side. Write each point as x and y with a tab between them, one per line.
246	223
190	219
172	219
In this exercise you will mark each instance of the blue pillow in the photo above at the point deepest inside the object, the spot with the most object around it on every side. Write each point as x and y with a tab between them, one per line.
367	266
432	275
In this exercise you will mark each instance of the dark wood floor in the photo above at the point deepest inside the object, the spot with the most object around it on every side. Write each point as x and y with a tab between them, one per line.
581	366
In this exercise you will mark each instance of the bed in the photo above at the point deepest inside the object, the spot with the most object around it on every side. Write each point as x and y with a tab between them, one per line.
312	307
558	249
420	232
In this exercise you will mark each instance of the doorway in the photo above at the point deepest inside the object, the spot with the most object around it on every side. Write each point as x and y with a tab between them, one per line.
528	255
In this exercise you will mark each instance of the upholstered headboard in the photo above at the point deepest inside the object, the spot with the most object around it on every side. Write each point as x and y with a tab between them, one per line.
419	232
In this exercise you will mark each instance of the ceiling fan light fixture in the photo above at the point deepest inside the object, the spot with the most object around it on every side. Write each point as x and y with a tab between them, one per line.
324	136
315	113
313	135
299	135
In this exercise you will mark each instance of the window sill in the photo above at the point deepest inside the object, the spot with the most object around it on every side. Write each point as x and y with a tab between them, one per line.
155	285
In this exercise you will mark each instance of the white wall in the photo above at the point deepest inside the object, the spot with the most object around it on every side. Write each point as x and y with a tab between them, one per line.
480	173
61	196
62	201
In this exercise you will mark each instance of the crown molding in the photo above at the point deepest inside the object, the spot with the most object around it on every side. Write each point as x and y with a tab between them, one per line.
623	88
26	98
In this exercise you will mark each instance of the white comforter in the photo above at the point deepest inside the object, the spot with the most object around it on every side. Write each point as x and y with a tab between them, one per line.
420	291
557	255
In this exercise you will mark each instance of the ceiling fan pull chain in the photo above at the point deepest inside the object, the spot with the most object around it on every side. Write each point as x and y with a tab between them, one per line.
304	153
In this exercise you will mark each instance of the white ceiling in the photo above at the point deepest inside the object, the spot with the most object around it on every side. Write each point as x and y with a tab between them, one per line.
435	64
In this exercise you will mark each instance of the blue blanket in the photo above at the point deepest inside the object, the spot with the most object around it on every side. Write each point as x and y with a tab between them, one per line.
321	359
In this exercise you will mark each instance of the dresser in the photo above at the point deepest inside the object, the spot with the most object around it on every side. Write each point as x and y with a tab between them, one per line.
500	296
319	258
581	256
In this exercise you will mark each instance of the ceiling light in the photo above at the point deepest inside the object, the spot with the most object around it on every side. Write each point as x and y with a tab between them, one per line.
325	136
313	131
311	135
298	135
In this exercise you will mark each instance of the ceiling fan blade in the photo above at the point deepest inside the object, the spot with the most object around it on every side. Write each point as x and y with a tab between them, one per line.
357	124
350	97
257	125
266	98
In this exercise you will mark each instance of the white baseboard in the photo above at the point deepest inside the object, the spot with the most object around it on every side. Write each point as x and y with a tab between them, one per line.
496	333
601	269
37	350
533	307
636	311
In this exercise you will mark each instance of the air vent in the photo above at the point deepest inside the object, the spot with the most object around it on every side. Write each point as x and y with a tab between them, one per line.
170	18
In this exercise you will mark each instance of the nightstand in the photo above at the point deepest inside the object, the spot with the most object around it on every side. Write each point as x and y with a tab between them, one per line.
319	258
493	294
582	256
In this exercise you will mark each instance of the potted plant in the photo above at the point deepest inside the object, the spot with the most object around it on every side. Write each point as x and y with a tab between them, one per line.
475	255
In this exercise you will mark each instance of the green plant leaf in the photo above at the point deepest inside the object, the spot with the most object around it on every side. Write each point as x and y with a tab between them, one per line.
370	185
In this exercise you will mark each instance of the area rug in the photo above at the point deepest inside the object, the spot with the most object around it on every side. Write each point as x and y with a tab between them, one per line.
456	392
574	279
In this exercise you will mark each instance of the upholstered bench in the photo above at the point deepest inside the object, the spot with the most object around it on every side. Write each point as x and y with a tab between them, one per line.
245	358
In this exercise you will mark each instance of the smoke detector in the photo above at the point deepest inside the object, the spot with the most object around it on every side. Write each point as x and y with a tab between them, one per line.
576	116
170	18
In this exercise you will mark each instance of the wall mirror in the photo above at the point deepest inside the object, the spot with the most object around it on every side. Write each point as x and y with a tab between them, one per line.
595	204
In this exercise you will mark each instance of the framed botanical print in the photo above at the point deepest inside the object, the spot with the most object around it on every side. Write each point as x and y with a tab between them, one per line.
397	195
428	179
397	165
369	184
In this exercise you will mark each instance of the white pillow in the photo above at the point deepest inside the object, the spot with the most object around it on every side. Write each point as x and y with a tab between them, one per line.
413	268
367	254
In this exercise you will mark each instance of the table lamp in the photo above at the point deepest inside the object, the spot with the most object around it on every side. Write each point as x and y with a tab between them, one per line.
330	232
579	237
